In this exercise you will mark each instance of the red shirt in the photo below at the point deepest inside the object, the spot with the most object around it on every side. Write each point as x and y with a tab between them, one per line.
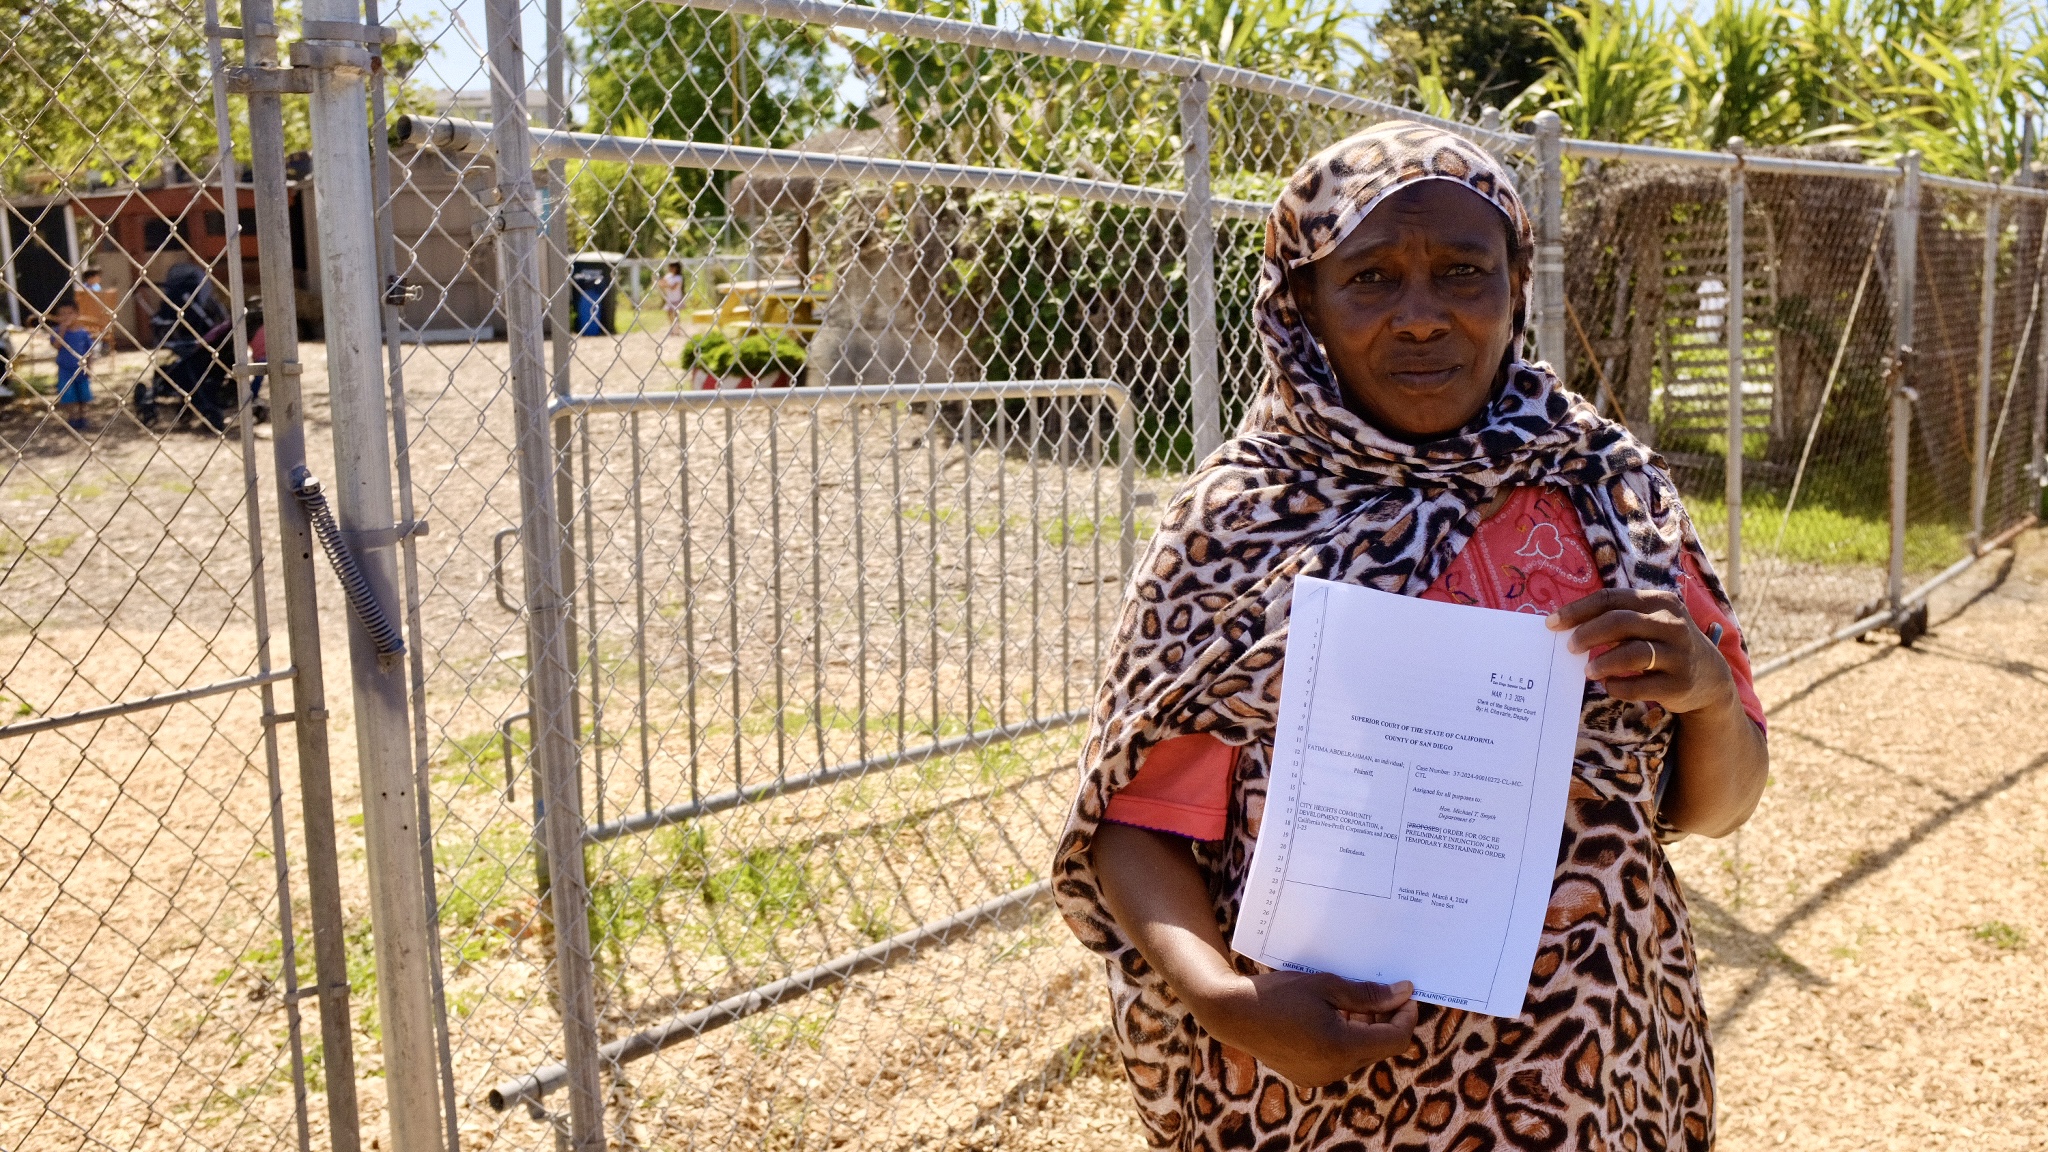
1529	556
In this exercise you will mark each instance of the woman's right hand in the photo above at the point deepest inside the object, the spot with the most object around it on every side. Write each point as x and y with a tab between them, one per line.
1310	1027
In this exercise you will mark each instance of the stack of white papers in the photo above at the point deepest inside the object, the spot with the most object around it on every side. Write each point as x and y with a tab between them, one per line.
1417	795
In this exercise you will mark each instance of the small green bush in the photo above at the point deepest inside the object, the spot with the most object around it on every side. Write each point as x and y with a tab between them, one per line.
760	355
712	351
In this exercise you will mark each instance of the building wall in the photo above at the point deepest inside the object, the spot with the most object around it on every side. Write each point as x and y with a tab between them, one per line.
437	215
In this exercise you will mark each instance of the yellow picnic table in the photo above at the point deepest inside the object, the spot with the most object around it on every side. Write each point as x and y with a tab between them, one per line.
784	306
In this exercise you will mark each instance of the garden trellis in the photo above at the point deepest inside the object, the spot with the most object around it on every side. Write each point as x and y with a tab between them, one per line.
711	797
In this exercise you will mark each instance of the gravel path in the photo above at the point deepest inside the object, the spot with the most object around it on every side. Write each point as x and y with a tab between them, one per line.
1873	941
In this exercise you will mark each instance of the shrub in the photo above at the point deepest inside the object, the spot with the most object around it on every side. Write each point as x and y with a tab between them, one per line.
759	354
712	351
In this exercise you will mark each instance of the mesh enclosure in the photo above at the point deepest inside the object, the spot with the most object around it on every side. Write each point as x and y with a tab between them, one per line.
1948	298
1963	237
1649	323
2020	327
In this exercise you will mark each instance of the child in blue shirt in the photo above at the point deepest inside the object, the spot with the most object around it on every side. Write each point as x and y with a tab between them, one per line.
74	344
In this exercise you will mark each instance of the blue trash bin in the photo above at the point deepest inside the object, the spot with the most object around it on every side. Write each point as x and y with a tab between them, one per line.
595	282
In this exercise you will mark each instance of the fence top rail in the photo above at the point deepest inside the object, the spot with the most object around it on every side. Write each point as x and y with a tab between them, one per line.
714	398
838	13
1787	165
1725	161
452	134
1958	184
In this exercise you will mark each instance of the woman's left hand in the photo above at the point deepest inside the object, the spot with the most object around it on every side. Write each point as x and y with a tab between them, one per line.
1646	648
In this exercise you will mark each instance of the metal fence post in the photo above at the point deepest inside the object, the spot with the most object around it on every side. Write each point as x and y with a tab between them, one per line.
1549	287
555	757
1198	227
1905	263
362	487
2037	456
301	597
559	311
399	292
1980	436
1738	193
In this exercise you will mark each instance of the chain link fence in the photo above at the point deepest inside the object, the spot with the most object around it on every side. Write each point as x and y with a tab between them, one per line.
1824	240
153	891
745	414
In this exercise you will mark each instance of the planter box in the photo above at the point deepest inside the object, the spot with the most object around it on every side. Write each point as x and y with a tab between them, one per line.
704	380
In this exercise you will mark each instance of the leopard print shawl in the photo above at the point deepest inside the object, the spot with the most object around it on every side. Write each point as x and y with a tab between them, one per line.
1611	1050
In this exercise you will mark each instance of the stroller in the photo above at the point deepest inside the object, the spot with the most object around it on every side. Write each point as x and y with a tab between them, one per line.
197	379
7	381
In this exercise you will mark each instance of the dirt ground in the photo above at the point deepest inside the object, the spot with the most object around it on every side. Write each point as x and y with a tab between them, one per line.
126	572
1873	939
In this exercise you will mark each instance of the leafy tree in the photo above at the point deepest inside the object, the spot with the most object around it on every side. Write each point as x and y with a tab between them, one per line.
98	93
1468	52
1951	78
687	74
683	74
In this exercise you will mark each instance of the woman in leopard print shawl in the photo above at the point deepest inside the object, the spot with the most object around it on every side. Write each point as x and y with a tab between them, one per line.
1611	1050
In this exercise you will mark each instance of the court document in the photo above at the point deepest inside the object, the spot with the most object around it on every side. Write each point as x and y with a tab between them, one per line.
1417	795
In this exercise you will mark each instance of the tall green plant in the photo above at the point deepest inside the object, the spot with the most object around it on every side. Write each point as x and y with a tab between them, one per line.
102	93
1736	75
1950	78
1612	76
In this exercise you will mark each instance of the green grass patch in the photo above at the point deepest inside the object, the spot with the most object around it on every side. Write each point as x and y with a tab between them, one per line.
1075	530
481	876
48	547
478	758
873	920
748	892
1818	534
2000	935
778	1031
767	884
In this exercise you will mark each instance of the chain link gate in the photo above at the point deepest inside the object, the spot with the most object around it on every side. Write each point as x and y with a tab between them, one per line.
744	837
167	915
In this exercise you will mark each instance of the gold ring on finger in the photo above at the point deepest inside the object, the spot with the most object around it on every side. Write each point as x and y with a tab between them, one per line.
1653	656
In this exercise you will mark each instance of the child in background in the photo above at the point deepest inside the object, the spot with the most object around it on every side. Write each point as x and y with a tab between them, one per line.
96	306
74	344
672	293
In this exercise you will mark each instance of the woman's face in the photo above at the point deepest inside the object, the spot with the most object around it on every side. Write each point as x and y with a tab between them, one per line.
1415	309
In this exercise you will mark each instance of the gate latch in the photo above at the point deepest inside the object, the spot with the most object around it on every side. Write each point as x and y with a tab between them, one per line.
399	292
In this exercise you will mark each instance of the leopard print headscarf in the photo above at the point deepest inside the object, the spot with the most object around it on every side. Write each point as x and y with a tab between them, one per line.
1308	487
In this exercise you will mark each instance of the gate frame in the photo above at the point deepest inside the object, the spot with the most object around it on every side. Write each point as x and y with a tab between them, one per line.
562	817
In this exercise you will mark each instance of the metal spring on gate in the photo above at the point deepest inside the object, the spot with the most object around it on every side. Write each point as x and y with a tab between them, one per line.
354	584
